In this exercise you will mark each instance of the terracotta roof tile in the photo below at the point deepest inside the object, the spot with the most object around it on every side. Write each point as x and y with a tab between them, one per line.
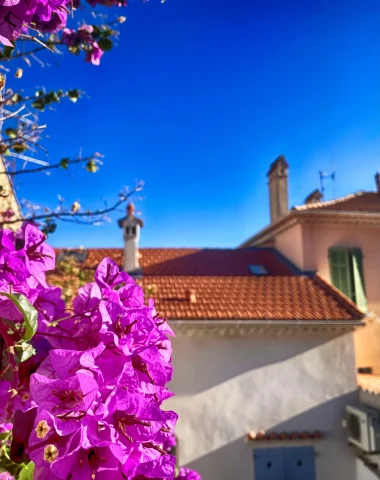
355	202
225	289
280	436
369	383
191	261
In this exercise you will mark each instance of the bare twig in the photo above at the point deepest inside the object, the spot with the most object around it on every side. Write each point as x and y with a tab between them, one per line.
47	167
72	216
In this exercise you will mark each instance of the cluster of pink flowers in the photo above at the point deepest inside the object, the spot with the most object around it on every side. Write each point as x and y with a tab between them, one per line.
17	15
87	403
46	16
80	37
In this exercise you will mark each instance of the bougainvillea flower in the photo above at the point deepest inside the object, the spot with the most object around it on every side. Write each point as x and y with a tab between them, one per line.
40	255
6	476
12	267
160	468
69	398
108	274
95	382
188	474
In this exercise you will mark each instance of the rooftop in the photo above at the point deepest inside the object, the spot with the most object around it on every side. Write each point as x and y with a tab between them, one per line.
359	202
223	287
369	383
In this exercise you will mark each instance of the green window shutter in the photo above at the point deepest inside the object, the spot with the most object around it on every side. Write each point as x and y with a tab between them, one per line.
340	270
357	268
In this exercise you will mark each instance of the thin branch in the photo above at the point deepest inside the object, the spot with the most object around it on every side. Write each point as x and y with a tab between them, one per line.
47	167
67	216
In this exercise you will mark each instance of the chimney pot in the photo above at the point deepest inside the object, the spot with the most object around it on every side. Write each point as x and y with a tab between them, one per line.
314	197
377	180
278	188
131	226
130	209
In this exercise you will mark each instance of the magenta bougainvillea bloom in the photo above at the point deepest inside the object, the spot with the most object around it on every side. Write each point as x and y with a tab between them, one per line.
94	55
188	474
6	476
86	401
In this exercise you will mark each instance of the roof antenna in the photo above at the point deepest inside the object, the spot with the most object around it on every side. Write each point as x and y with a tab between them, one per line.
323	176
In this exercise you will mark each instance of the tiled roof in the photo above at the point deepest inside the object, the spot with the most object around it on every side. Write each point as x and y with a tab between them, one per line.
369	383
223	288
276	436
192	261
355	202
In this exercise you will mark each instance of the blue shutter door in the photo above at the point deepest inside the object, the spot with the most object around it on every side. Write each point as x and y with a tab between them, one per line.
299	463
269	464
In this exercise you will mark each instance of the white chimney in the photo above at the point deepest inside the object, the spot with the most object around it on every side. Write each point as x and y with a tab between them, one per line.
278	188
131	233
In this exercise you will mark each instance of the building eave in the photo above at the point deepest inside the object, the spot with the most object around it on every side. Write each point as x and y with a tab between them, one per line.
262	327
310	216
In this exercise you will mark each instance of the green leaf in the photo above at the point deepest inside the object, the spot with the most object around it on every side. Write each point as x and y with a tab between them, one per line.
105	44
49	227
27	351
73	95
19	147
17	98
107	32
74	50
27	472
8	51
64	162
11	132
39	104
96	31
51	97
91	166
28	311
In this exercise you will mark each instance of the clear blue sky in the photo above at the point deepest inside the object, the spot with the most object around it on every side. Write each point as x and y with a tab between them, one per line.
199	97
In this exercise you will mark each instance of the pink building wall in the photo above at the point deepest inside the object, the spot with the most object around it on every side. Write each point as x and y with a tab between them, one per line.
291	244
307	246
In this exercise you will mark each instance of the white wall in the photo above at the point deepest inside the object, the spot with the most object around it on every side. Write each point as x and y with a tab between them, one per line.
226	387
363	472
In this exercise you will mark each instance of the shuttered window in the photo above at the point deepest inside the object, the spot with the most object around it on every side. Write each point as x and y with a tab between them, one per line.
284	463
346	271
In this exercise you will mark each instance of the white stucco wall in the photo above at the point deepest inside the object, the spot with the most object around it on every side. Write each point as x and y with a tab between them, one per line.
364	473
226	387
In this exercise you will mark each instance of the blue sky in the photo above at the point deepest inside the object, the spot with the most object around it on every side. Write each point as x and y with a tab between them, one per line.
199	97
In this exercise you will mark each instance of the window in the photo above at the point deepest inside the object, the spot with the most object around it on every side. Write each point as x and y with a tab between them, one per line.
346	272
133	230
127	230
284	463
258	270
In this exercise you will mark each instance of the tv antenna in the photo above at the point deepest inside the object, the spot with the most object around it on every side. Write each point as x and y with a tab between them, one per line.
326	176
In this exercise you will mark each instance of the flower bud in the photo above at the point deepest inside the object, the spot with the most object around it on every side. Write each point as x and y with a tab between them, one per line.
121	19
19	73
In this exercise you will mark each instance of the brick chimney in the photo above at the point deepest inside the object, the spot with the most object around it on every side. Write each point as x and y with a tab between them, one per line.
278	188
314	197
131	233
377	180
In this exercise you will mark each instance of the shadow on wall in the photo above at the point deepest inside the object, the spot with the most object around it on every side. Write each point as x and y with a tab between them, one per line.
211	360
334	457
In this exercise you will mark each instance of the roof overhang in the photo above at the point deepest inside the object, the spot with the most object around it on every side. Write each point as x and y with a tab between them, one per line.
262	327
311	216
